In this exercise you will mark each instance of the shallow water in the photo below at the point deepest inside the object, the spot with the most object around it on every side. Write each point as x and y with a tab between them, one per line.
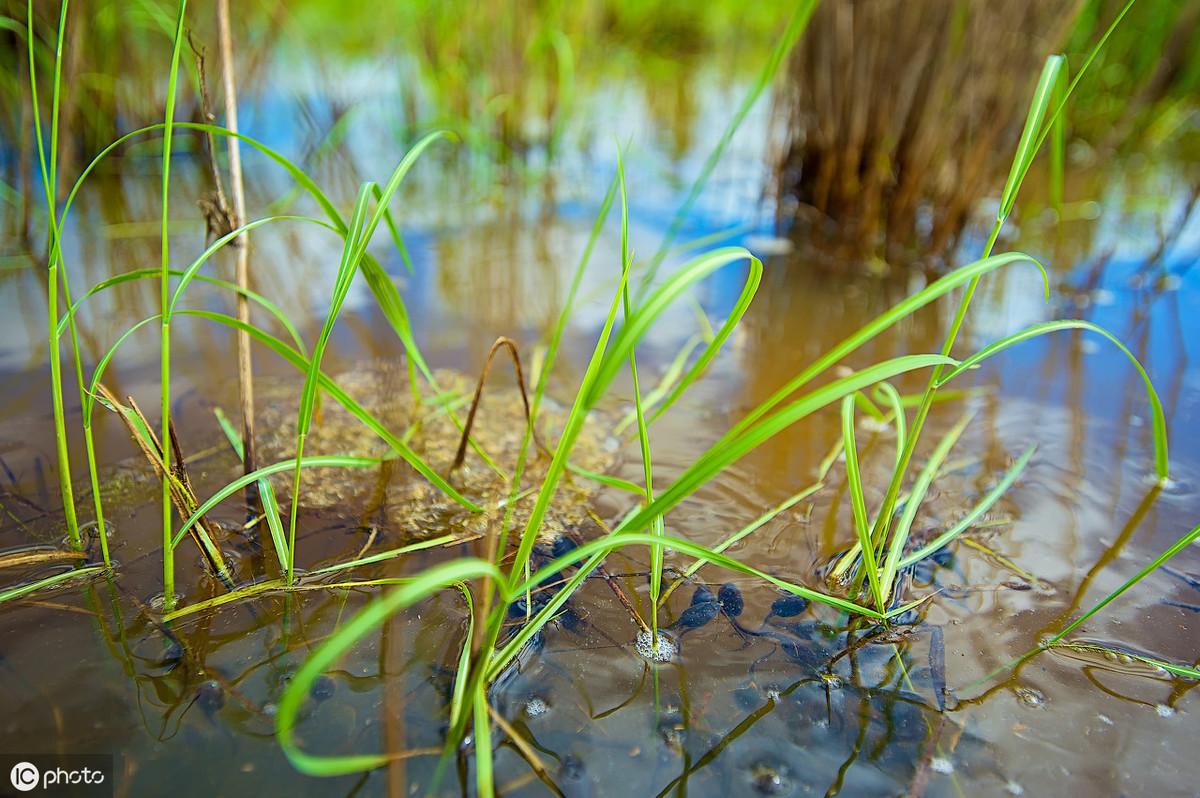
802	710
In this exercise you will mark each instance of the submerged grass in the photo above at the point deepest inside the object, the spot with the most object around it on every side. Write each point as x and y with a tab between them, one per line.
491	583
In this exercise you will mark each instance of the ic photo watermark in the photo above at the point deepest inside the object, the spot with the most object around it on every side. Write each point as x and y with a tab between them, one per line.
50	775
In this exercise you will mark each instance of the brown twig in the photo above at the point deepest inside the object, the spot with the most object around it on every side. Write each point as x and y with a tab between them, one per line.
511	346
245	363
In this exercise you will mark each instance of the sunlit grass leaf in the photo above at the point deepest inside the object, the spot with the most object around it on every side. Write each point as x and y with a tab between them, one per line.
12	593
1159	422
976	512
430	581
857	504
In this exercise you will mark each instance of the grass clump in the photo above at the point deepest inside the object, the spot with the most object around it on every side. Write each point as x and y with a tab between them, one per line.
511	567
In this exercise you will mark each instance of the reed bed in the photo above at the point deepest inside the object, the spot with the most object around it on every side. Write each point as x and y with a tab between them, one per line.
896	124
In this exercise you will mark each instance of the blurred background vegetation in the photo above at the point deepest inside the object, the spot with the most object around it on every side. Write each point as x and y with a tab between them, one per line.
886	129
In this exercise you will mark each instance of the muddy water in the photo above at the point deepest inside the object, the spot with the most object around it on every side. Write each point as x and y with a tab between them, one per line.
753	703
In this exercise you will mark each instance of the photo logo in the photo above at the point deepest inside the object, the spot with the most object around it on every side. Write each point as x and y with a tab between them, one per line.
24	776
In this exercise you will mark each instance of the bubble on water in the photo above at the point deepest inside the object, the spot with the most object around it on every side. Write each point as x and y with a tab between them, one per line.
832	681
1103	297
769	778
1012	788
1106	720
535	707
158	603
661	650
322	688
1164	711
1030	697
940	764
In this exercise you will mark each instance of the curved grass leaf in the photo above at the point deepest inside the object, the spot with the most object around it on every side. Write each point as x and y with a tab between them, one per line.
1159	422
732	448
142	274
316	461
435	579
190	272
596	550
1026	147
941	287
896	401
636	326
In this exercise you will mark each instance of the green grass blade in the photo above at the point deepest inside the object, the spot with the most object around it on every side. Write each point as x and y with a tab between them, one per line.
984	504
899	538
728	450
896	401
190	272
143	274
941	287
637	326
431	581
791	35
1158	561
596	550
390	554
334	391
483	745
12	593
669	380
266	492
857	503
270	505
656	552
101	366
1159	422
316	461
165	312
566	441
231	434
1028	145
607	480
459	692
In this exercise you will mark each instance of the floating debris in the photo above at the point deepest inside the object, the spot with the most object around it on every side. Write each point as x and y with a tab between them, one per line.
1164	711
941	764
322	688
661	650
